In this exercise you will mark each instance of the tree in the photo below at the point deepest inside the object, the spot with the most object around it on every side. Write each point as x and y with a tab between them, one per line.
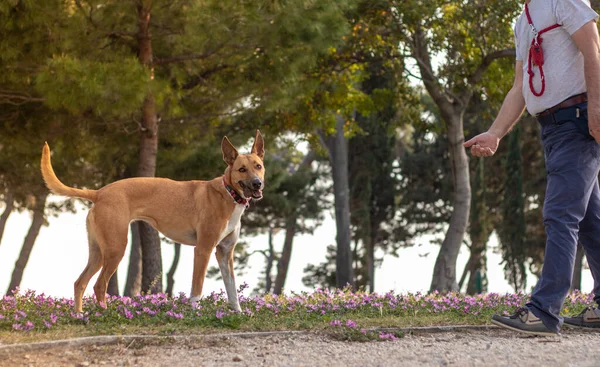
196	62
468	37
37	207
113	285
337	148
373	182
9	205
171	273
292	227
339	101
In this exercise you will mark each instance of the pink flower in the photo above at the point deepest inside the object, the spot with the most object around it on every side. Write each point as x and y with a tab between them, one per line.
389	336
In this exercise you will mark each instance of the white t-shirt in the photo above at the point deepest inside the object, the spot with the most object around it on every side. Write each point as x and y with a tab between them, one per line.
563	62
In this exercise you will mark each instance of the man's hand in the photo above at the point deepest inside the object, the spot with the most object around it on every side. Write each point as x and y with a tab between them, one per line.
594	124
483	145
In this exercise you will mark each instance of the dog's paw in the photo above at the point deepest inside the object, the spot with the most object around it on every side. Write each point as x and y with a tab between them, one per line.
195	301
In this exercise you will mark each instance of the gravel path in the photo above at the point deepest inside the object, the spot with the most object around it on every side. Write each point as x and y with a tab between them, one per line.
492	347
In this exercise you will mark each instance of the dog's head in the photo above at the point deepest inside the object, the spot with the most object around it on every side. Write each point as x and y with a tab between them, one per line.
247	172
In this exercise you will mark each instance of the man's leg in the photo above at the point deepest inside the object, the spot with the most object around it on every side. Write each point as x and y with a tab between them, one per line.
572	165
589	236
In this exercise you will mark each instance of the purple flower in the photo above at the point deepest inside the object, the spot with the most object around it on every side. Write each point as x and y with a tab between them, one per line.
335	323
174	314
389	336
351	324
24	327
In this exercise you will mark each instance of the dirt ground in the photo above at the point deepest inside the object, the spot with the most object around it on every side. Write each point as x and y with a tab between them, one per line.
491	347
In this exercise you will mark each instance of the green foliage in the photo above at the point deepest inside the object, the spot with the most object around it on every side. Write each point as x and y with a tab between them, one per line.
109	89
460	35
426	179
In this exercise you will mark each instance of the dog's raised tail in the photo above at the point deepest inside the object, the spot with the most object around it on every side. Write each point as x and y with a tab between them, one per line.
58	187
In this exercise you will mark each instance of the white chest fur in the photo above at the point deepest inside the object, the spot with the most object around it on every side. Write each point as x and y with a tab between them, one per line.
234	220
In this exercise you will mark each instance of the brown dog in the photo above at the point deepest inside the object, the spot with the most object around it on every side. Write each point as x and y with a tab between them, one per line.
204	214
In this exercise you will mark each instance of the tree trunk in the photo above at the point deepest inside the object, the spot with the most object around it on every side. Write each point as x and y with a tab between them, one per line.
576	282
337	146
466	272
34	230
290	231
133	286
150	242
477	278
286	253
370	247
113	285
444	272
151	259
171	273
270	259
452	107
10	204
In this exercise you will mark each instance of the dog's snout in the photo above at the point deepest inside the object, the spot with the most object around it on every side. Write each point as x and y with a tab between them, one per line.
256	183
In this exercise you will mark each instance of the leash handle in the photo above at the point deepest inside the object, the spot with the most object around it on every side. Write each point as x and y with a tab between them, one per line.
536	54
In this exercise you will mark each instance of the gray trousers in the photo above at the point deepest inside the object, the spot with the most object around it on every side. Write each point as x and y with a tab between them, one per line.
571	209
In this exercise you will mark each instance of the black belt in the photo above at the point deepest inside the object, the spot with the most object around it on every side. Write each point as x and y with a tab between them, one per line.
563	114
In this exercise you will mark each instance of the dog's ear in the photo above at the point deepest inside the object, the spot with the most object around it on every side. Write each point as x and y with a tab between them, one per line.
229	151
258	147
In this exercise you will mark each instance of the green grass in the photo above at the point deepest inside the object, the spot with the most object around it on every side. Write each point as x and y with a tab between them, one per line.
344	315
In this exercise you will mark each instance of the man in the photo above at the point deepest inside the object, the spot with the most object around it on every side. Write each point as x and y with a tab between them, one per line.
561	88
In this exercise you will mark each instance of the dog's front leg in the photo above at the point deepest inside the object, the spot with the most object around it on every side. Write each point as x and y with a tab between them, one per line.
201	258
225	259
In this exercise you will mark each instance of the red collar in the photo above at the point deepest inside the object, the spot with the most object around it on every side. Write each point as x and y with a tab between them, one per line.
234	194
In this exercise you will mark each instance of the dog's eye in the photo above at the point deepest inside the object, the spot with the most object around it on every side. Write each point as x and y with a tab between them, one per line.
258	166
242	169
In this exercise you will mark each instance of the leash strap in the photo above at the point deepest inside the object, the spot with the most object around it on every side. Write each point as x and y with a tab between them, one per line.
234	194
536	54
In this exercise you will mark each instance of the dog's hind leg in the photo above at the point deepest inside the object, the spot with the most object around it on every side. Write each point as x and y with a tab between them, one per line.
111	231
94	264
224	256
111	259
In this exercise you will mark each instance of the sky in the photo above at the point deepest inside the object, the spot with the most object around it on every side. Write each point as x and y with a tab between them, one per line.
60	254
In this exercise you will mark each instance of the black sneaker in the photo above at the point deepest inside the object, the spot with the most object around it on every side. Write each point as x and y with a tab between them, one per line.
523	321
586	319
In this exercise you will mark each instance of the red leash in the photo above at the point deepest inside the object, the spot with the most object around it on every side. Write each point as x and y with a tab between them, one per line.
536	55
